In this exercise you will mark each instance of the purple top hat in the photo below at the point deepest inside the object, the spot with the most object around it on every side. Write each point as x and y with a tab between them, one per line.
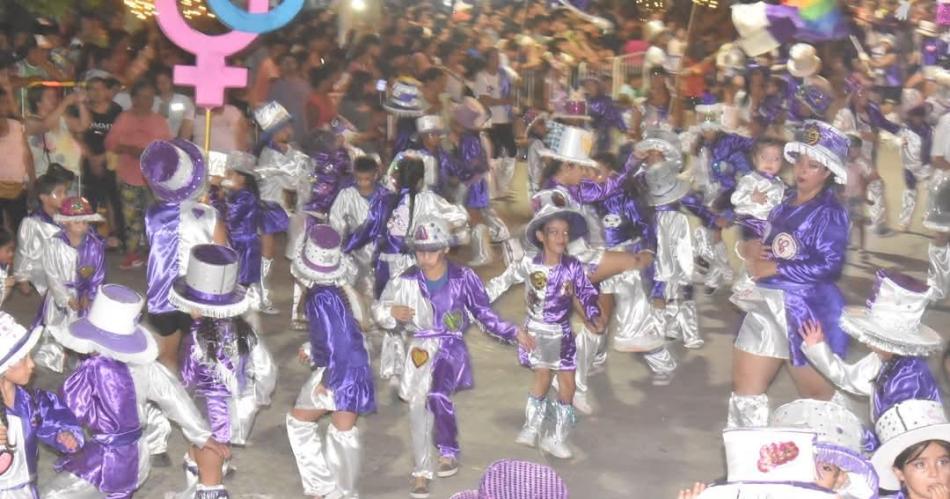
517	480
210	286
112	328
175	169
823	143
320	257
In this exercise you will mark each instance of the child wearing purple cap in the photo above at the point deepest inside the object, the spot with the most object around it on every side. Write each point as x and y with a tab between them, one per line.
342	382
74	262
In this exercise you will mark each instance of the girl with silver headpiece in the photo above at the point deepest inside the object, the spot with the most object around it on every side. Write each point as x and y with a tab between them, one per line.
342	382
795	268
251	225
890	325
279	166
554	281
74	262
389	224
723	158
110	392
433	300
916	140
672	281
227	364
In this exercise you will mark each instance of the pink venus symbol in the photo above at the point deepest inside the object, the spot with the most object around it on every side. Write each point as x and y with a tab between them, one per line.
210	75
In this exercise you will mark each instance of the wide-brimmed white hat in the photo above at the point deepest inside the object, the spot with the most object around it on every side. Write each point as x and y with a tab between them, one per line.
548	205
658	139
15	341
905	424
665	184
840	440
890	320
431	233
210	285
111	328
823	143
320	257
772	463
803	60
570	144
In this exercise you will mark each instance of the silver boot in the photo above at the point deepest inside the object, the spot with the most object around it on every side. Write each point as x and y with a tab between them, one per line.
534	413
556	441
908	203
305	441
747	411
481	247
297	320
688	324
720	271
344	457
267	305
157	430
497	228
513	252
877	211
938	271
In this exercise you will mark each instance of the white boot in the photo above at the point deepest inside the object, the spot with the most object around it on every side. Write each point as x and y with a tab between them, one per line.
938	271
748	411
157	431
211	492
315	473
513	251
556	441
908	203
877	210
688	325
497	228
662	364
481	247
297	320
534	413
344	457
267	305
720	271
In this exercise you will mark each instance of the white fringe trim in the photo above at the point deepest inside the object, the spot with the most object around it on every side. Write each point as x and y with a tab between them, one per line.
820	154
95	217
212	311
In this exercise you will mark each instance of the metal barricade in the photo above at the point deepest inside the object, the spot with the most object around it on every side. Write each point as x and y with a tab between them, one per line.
623	68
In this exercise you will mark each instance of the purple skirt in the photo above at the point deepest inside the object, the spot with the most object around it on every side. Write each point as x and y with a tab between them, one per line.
356	392
273	218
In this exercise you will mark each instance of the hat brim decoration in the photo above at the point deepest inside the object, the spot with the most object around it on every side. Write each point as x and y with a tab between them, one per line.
548	153
857	322
862	478
885	455
679	189
577	224
85	337
404	112
819	153
670	151
22	347
89	218
190	300
164	156
345	271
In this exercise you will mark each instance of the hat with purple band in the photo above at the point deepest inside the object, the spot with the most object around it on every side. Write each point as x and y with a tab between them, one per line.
404	99
15	341
210	286
76	209
891	318
431	233
823	143
320	258
272	117
175	169
111	328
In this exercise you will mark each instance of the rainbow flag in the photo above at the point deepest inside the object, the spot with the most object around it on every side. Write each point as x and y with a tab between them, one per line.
820	16
763	27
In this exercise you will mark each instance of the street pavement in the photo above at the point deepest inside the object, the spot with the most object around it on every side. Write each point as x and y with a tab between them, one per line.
641	442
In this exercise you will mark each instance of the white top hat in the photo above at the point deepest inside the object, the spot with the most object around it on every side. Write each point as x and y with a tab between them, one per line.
803	60
658	139
430	123
15	341
210	286
320	258
665	184
890	320
111	328
571	144
404	100
905	424
271	117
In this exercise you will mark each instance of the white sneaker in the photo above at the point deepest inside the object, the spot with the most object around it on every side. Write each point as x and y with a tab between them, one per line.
557	449
659	379
581	403
694	344
527	437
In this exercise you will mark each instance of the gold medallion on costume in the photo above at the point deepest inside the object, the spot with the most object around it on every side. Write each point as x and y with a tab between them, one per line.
419	356
539	280
812	134
86	271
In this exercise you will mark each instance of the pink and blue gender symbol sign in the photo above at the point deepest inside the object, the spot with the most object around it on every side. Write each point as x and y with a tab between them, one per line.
239	19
